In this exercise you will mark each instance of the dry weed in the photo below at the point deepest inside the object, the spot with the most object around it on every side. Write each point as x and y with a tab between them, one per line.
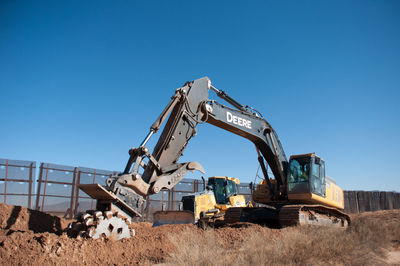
363	243
197	249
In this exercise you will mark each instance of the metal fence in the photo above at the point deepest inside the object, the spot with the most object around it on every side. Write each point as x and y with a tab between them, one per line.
364	201
57	190
88	176
16	182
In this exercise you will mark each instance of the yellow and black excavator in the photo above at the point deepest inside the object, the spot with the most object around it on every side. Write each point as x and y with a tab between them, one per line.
205	207
298	193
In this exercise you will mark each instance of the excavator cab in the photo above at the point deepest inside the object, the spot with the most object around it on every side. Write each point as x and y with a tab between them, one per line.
223	188
226	192
307	175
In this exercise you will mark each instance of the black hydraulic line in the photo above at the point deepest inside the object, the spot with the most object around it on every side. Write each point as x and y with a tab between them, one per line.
157	124
229	99
265	172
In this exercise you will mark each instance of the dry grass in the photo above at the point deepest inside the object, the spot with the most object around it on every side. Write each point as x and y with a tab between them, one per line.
195	249
364	243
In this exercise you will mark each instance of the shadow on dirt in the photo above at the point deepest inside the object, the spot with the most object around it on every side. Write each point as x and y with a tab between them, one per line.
21	219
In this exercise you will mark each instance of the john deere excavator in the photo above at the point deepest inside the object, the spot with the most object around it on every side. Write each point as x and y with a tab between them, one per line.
298	193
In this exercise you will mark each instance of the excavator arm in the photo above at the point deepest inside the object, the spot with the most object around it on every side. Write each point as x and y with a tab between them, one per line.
147	173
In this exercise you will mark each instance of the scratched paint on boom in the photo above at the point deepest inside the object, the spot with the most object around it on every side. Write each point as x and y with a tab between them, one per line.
238	120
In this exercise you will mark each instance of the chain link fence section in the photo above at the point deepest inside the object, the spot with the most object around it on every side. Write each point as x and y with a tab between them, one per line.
86	175
56	189
16	182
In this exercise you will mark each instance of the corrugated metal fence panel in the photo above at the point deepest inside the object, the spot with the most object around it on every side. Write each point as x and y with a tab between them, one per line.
16	182
87	175
397	201
363	201
56	187
383	200
350	202
374	201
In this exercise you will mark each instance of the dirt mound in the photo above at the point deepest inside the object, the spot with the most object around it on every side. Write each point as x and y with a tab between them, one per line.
17	218
32	237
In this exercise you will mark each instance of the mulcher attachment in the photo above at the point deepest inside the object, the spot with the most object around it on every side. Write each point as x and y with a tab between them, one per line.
96	224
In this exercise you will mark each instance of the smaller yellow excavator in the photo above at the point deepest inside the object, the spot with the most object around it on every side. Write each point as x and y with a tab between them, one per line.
205	207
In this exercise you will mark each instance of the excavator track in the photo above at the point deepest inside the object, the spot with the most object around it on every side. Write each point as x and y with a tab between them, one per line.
96	224
292	215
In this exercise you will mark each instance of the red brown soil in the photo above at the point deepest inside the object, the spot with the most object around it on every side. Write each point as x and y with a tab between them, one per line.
35	238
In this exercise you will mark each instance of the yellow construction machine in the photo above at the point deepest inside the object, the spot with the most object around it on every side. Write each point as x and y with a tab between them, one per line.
206	207
298	193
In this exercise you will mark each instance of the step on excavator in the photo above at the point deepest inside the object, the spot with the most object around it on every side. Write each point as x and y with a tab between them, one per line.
297	193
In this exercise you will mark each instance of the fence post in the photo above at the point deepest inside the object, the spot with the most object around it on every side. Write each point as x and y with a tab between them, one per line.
94	180
76	194
5	183
45	186
195	186
39	187
30	185
357	203
70	212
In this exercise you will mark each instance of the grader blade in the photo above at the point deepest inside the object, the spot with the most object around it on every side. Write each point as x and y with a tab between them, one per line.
173	217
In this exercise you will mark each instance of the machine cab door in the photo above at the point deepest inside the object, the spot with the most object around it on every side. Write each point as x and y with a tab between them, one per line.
299	178
317	177
223	189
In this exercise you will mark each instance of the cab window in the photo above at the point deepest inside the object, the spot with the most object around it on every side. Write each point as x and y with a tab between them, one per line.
218	187
231	188
317	180
299	175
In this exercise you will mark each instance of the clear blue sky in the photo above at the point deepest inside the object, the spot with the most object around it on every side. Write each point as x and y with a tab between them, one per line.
82	81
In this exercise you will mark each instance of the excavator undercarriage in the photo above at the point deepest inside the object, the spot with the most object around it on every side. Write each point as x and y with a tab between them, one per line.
289	215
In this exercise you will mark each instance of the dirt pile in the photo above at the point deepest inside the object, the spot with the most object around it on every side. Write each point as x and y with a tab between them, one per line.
33	237
36	238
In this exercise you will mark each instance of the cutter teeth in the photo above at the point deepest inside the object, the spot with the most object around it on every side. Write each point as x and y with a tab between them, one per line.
108	214
99	219
97	214
90	232
84	216
89	221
